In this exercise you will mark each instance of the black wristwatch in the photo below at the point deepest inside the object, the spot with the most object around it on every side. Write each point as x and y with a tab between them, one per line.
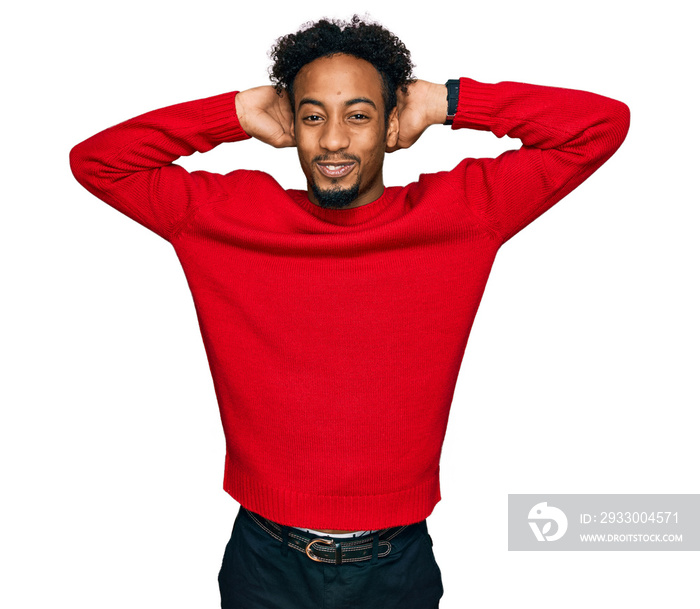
452	100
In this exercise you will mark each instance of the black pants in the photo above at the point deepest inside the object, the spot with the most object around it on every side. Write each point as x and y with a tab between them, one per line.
259	573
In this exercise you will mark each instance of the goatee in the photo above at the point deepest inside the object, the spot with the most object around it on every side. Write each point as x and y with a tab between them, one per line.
336	198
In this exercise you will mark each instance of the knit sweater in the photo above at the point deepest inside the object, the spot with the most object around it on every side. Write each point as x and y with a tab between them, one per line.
335	336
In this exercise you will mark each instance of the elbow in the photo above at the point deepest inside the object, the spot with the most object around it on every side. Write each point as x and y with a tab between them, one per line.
87	167
77	159
619	123
610	130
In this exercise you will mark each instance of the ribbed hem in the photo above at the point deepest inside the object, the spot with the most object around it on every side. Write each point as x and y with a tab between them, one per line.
361	512
476	106
221	119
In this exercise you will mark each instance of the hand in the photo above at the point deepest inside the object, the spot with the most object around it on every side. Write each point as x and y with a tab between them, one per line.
423	104
266	116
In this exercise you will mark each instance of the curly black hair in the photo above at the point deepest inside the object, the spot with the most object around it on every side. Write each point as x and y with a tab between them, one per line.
365	40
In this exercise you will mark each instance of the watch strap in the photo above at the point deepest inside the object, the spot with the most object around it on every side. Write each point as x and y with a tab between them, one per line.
452	99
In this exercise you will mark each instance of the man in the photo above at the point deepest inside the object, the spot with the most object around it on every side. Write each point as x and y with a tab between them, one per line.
335	319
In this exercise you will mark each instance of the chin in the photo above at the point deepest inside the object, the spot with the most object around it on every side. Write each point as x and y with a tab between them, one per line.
336	198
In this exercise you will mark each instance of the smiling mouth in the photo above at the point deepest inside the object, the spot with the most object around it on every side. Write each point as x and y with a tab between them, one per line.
335	170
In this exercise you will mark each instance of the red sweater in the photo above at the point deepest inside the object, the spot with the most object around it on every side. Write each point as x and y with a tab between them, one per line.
335	337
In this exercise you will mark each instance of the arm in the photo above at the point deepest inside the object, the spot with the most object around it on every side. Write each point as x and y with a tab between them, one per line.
131	166
566	136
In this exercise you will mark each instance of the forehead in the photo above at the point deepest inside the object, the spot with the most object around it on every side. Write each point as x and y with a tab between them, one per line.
338	78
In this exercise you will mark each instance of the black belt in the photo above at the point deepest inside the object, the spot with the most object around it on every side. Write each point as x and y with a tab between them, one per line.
328	549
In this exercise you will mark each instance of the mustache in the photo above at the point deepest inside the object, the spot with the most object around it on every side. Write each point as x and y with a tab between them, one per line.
334	158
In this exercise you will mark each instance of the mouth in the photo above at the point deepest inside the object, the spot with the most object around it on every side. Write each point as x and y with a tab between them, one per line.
335	170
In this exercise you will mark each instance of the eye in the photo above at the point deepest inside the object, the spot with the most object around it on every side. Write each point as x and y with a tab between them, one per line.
358	116
312	118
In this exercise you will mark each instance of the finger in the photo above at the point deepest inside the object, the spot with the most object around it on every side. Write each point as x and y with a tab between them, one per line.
284	140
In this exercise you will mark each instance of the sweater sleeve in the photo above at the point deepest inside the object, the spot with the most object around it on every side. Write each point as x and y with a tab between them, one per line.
566	135
131	166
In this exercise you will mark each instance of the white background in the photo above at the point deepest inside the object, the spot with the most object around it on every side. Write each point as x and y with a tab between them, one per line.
580	375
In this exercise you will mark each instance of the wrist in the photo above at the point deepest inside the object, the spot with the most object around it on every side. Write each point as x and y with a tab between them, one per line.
239	102
438	104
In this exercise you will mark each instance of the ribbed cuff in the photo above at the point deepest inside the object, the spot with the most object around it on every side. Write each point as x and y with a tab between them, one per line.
221	119
476	106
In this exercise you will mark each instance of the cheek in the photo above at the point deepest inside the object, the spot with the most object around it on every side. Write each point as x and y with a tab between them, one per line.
375	157
304	162
376	147
305	152
302	139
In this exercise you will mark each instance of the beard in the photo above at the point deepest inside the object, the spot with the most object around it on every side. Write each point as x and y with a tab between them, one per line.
336	198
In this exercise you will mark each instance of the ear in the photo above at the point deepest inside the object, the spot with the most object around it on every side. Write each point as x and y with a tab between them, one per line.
392	132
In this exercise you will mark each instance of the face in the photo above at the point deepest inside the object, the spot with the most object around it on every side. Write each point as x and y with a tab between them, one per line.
340	130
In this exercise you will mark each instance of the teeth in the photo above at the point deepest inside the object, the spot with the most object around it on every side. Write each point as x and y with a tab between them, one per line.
336	170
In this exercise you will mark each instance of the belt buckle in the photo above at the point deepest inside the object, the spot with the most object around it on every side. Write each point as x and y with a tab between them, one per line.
310	554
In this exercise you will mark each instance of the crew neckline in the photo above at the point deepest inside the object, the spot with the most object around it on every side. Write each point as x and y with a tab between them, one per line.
343	217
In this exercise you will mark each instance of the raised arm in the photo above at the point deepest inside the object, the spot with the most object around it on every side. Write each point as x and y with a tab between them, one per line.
566	135
131	166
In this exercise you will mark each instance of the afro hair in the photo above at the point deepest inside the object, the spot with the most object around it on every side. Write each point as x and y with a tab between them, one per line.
365	40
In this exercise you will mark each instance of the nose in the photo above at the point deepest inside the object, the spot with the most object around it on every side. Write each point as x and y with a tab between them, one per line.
334	136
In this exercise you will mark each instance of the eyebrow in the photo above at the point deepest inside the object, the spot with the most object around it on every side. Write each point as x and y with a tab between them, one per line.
350	102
